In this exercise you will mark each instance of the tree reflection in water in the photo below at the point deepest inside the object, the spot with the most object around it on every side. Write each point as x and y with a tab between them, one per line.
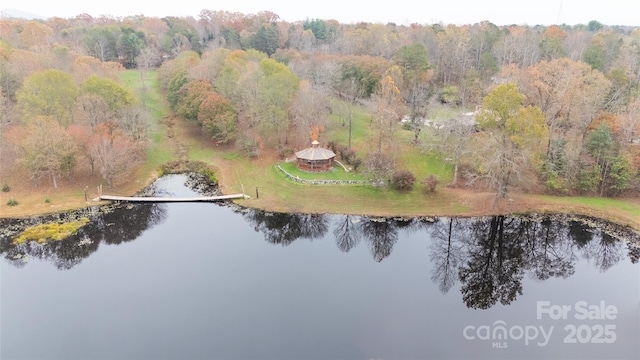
114	227
283	228
380	234
347	232
492	255
494	263
489	256
446	245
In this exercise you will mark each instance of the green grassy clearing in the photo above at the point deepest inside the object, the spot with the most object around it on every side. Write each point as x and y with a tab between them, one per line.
360	129
442	112
337	174
599	203
146	88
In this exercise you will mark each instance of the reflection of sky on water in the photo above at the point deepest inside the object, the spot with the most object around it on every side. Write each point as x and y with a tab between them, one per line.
201	281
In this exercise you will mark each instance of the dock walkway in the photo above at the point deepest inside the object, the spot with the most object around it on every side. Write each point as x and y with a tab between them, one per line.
162	199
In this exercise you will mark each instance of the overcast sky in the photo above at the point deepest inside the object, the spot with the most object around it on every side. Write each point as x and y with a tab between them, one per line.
499	12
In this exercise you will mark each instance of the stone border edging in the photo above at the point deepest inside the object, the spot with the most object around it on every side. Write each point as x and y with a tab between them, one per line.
329	182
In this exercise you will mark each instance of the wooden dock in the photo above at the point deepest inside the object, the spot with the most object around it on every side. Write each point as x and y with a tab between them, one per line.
162	199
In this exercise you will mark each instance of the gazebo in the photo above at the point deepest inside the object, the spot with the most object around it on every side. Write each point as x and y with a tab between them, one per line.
315	158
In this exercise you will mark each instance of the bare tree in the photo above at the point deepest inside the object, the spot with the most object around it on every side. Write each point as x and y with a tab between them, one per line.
133	121
92	110
630	122
6	113
148	59
309	111
452	140
114	155
380	165
387	109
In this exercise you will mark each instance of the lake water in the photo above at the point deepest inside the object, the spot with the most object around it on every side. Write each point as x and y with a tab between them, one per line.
204	281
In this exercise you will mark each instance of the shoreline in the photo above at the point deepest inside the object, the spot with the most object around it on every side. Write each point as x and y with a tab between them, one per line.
207	189
196	182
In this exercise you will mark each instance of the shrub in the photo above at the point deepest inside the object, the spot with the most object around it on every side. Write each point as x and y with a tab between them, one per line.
5	187
250	147
403	180
171	167
179	167
284	152
555	184
12	202
430	183
47	200
450	95
380	165
621	175
347	155
356	163
589	179
203	169
333	146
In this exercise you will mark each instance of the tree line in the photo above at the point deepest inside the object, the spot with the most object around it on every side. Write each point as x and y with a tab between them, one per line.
555	105
66	114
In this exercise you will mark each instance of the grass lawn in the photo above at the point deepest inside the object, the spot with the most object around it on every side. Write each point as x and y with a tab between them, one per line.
338	130
597	203
337	174
424	165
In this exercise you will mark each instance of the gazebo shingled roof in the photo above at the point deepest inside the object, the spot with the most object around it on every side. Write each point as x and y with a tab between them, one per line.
315	158
315	153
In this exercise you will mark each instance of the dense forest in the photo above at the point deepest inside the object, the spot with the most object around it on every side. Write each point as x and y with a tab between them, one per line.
551	109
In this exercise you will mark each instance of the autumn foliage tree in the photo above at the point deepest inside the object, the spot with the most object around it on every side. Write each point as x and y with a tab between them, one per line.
115	95
276	90
415	86
48	93
190	96
46	149
387	107
114	154
218	117
571	95
309	110
515	137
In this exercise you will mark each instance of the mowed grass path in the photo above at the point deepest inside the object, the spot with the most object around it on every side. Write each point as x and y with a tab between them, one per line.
159	151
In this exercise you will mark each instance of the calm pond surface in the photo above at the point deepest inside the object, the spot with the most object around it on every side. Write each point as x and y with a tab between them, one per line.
205	281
